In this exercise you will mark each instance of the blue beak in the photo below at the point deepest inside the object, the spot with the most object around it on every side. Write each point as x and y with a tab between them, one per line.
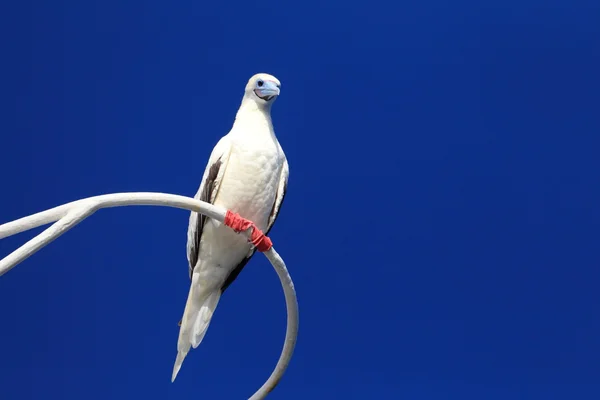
269	90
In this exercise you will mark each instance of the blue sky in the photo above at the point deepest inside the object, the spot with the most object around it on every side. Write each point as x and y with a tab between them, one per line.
441	223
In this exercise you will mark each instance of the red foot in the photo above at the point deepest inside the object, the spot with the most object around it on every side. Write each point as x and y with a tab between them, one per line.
240	224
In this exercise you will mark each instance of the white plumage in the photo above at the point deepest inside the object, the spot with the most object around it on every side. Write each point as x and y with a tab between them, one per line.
247	173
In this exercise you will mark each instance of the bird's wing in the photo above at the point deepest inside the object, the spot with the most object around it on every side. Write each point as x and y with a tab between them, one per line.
281	190
279	196
211	181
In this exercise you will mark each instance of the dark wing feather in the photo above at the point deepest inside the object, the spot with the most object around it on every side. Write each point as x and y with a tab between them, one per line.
234	274
207	196
276	209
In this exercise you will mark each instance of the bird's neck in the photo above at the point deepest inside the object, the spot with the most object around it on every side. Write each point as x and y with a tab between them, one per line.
251	114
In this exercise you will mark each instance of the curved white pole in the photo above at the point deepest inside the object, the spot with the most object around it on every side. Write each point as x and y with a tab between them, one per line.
70	214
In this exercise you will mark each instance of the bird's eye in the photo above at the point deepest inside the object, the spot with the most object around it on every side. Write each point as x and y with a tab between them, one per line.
260	83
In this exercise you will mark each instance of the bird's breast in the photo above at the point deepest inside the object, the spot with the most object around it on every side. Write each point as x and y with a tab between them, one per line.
250	182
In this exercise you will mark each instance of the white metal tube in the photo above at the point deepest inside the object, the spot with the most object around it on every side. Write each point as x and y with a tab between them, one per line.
70	214
67	222
35	220
291	333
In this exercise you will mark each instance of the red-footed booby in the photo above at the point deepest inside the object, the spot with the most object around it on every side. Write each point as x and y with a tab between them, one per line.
247	173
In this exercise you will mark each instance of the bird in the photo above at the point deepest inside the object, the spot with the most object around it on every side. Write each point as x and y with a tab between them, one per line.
247	173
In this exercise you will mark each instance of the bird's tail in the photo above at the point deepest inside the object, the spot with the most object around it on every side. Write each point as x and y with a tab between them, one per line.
199	309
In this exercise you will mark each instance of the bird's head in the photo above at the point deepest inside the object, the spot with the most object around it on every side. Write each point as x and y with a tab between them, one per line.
262	89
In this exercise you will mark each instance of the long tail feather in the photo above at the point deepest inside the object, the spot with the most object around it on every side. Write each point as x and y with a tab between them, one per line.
199	309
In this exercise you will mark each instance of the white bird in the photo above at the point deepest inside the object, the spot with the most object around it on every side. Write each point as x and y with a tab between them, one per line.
247	173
